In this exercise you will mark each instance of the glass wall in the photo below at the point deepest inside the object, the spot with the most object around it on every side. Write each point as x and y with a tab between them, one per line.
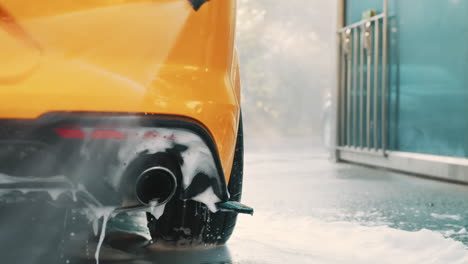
428	70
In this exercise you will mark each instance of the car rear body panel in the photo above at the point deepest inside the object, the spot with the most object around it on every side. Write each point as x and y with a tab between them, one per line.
126	57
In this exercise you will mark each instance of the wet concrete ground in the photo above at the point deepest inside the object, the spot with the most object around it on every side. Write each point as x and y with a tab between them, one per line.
306	184
307	210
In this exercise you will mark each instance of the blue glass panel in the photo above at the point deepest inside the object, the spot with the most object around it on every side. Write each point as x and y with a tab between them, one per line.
429	55
428	74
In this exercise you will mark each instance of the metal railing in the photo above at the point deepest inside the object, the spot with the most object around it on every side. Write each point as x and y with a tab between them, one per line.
362	91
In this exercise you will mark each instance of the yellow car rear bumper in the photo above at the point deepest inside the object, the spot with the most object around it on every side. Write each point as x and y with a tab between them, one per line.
127	56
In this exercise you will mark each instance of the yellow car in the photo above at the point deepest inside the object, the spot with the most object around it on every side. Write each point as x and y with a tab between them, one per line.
127	104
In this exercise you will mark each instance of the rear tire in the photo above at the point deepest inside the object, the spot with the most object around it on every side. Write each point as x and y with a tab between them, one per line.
191	223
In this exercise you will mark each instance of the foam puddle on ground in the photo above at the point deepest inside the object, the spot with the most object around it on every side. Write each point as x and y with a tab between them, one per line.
311	240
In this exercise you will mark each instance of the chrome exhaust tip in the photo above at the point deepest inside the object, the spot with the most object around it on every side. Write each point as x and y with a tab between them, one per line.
156	184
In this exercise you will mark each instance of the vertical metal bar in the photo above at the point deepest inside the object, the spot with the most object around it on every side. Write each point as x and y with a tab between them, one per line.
384	76
348	99
355	94
361	92
337	91
336	98
376	82
368	47
342	92
368	103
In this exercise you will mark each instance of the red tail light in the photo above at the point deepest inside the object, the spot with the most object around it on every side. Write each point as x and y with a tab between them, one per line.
98	133
107	134
70	132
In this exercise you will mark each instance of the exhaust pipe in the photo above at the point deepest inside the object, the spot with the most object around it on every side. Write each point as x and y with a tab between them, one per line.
156	184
